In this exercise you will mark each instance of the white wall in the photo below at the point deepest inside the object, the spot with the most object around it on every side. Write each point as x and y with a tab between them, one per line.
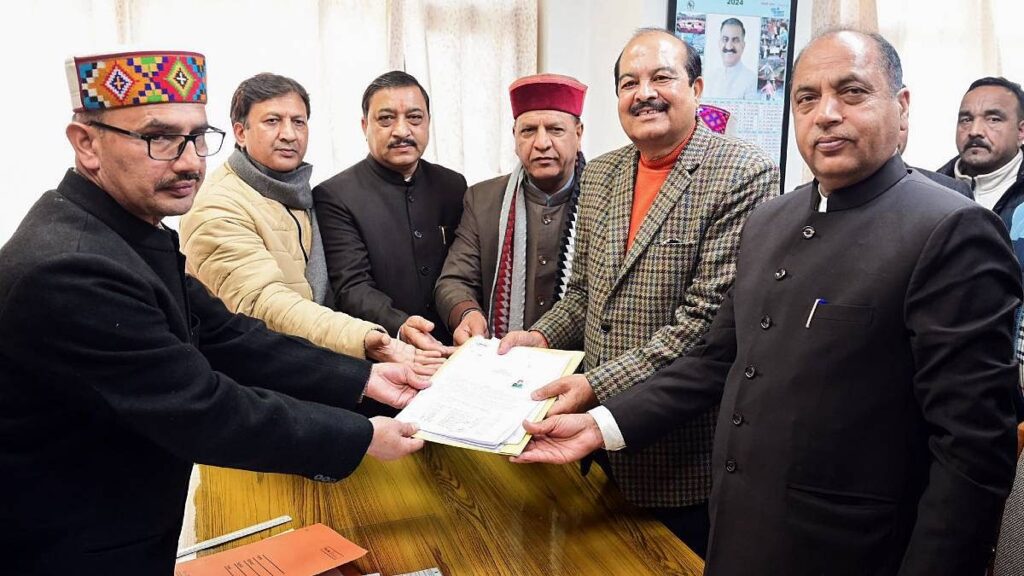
583	38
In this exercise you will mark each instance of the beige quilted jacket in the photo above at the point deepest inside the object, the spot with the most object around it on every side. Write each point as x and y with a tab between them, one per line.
246	250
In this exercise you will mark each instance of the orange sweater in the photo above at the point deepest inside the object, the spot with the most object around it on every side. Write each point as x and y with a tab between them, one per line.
650	175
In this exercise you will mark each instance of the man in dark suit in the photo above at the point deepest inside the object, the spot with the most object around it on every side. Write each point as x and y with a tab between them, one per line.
861	358
118	371
387	221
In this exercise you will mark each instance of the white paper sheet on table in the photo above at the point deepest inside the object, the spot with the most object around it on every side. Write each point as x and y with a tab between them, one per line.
479	398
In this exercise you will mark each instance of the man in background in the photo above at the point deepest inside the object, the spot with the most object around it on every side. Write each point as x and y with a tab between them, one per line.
989	134
512	254
119	372
658	229
388	220
252	238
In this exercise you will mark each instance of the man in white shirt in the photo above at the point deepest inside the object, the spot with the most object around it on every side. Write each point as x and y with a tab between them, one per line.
735	80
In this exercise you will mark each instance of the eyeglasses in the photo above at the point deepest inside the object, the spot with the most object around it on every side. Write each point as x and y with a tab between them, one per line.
169	147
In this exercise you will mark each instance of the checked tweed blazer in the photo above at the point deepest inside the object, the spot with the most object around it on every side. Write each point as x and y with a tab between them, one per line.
634	312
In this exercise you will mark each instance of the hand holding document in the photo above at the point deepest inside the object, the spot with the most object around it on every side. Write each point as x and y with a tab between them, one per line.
479	399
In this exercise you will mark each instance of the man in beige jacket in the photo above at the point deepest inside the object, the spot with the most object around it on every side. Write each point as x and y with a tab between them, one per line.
251	237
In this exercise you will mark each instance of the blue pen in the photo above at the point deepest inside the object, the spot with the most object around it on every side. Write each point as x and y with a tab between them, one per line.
813	308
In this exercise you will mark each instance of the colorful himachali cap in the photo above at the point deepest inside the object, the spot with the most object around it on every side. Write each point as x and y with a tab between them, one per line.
136	78
547	92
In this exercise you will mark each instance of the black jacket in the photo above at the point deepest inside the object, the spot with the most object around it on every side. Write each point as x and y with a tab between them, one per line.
117	372
1005	207
872	434
386	239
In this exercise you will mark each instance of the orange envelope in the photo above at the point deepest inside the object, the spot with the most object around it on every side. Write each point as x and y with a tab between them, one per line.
304	552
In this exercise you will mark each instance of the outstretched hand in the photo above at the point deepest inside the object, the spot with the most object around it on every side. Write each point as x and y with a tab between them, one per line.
560	439
394	384
416	331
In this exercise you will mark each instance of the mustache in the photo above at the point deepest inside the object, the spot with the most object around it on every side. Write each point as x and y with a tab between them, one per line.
402	142
656	105
188	176
977	142
728	50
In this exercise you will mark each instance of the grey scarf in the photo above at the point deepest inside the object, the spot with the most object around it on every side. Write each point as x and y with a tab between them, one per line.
291	189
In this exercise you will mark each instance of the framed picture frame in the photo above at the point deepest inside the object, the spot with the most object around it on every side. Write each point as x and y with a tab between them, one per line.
746	58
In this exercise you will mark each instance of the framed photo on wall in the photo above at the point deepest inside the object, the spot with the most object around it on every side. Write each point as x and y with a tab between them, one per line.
746	59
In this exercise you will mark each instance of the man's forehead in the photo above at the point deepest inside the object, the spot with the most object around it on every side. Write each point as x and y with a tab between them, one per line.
838	56
179	116
401	97
989	97
652	51
536	117
732	30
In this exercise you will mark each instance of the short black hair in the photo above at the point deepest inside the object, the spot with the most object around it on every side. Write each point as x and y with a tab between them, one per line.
733	22
891	65
692	65
1001	82
393	79
260	88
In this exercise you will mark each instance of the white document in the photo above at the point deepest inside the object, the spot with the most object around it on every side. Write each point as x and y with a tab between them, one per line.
480	398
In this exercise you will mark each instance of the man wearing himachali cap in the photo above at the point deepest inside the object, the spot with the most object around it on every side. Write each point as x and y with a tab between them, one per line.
512	254
118	371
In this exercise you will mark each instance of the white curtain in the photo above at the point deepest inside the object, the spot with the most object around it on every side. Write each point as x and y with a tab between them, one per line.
465	52
945	45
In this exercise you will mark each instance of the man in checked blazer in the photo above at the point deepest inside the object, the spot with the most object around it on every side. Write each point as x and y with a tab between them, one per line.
659	225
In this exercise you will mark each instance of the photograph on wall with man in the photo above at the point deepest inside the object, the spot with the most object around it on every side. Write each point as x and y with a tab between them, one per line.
744	51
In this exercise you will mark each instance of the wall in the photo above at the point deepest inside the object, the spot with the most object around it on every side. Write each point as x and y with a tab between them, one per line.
583	38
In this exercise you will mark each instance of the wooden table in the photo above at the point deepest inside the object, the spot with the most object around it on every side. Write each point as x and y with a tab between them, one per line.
465	512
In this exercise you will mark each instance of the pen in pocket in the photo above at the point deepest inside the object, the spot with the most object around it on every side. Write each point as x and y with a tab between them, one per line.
817	301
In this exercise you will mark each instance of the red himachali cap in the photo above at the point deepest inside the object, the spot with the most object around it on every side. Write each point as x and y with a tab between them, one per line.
547	92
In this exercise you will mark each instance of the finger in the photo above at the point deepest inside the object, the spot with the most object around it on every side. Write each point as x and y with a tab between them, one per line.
410	445
420	323
542	428
407	429
550	390
384	339
532	454
415	380
564	405
425	370
461	336
435	360
509	342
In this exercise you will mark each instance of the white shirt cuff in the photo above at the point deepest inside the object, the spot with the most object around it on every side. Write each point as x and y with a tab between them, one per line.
610	432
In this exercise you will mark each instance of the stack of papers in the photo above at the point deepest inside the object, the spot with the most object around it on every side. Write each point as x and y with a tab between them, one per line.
479	398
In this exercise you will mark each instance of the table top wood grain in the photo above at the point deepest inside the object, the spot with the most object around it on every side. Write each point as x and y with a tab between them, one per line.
465	512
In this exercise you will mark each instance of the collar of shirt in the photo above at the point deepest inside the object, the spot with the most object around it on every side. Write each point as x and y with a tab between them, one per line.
538	196
995	182
393	177
864	191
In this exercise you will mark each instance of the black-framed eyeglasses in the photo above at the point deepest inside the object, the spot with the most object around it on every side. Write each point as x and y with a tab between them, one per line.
169	147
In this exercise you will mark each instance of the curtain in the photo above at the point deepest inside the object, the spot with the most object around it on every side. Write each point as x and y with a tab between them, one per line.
944	49
464	52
